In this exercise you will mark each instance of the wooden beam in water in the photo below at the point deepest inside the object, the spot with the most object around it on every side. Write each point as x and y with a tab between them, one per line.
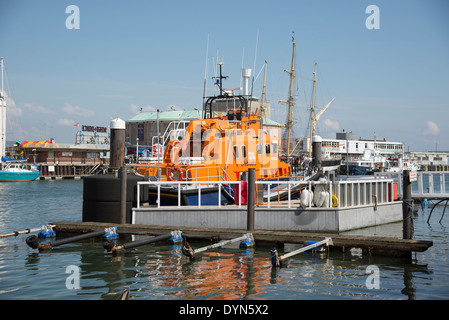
370	245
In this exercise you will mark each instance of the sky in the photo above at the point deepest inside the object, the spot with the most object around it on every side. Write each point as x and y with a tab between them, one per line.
388	82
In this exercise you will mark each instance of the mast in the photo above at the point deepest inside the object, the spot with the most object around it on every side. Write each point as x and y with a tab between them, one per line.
314	117
290	99
219	81
312	129
2	115
262	113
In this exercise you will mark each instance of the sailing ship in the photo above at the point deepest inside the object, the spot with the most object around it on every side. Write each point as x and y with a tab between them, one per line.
219	146
11	169
327	164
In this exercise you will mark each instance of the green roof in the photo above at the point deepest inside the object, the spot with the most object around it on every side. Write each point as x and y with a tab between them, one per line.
167	115
187	115
269	122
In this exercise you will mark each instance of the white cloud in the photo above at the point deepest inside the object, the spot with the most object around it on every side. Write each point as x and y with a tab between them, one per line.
172	107
66	122
77	110
334	125
38	109
12	110
432	128
136	109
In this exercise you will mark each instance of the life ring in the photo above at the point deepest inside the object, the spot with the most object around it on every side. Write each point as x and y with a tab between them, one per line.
175	174
334	201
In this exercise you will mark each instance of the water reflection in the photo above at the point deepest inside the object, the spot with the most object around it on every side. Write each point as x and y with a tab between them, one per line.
160	271
163	272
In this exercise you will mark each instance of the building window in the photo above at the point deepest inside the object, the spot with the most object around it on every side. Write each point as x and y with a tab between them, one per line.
140	131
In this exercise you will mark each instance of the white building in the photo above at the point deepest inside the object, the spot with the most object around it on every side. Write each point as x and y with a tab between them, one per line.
435	158
347	145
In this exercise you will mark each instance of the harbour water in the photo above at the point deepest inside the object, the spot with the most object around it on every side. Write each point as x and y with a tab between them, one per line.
162	272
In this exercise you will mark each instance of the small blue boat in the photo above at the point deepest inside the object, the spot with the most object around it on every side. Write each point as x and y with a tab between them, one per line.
18	171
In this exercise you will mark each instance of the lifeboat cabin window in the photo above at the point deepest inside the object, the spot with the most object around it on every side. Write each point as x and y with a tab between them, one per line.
236	152
259	149
243	148
267	149
275	148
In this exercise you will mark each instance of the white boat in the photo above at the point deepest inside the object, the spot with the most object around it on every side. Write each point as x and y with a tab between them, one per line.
400	164
371	161
11	169
18	171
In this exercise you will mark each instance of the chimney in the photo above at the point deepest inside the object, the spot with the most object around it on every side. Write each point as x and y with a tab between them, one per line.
246	74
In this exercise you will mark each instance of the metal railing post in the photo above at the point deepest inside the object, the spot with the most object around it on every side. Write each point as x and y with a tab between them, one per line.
138	194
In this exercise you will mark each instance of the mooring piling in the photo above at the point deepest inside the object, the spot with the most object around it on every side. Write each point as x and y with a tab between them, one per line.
117	147
406	206
316	152
276	260
250	201
123	182
247	241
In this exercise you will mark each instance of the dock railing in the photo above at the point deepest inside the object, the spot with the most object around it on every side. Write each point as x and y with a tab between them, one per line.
428	185
344	194
198	186
353	193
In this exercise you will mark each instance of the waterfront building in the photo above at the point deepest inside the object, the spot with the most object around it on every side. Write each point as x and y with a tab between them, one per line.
347	146
431	160
63	159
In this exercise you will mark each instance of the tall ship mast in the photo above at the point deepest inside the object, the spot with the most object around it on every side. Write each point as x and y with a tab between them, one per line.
315	117
2	115
290	99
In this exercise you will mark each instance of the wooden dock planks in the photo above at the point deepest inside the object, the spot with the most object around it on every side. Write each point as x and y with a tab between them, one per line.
370	245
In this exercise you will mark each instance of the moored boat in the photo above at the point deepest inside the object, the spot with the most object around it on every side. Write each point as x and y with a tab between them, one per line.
18	171
218	147
11	169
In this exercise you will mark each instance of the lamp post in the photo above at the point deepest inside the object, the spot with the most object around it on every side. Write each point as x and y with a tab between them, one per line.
137	151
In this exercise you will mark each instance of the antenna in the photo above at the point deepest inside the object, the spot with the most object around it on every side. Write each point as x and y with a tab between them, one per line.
219	81
255	56
243	56
205	69
1	63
